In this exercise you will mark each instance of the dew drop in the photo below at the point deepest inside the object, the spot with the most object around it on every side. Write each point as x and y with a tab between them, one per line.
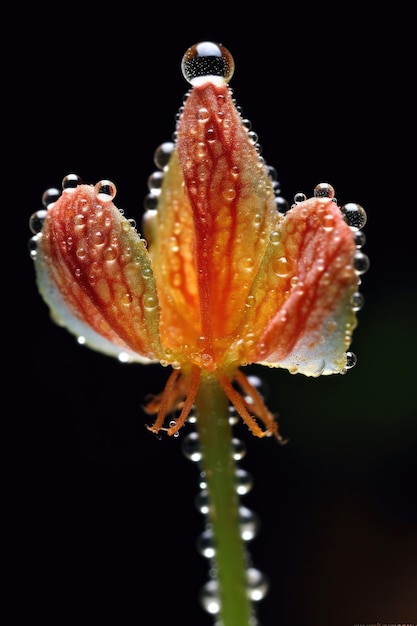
249	523
243	481
98	238
250	301
110	254
299	197
274	237
361	262
150	301
71	182
203	114
280	266
33	245
50	196
209	597
281	204
202	502
155	182
191	447
324	190
150	202
105	190
360	238
257	584
36	221
205	545
357	301
328	222
162	154
239	449
351	360
207	59
354	215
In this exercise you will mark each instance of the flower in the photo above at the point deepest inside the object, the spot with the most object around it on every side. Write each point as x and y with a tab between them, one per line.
225	278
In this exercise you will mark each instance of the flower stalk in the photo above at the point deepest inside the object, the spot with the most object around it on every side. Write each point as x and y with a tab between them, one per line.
218	465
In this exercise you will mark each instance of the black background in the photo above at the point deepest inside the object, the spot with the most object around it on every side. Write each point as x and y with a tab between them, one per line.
102	517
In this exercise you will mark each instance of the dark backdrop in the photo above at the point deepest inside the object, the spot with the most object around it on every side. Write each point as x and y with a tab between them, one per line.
102	517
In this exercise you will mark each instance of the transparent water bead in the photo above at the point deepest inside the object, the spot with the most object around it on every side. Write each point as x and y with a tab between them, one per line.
205	544
162	154
351	360
105	190
50	196
207	59
244	481
71	181
191	447
209	597
249	523
354	215
257	584
324	190
36	221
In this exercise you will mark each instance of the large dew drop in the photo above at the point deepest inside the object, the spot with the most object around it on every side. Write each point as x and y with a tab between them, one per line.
207	60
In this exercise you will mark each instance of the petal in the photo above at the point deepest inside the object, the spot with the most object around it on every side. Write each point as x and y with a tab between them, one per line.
229	207
94	272
301	317
170	235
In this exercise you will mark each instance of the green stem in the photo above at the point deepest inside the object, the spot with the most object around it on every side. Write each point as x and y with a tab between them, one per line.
215	437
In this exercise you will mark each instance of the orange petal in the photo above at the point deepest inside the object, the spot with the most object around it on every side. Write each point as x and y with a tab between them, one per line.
225	206
301	316
94	272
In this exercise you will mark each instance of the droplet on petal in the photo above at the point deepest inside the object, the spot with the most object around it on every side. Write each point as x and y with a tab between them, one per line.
355	215
207	60
105	190
71	182
324	190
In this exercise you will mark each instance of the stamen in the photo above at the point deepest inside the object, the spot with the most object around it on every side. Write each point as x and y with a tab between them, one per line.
242	408
166	398
189	401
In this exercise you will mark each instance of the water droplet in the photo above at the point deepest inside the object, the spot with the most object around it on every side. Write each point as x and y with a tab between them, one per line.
351	360
205	545
250	301
150	301
354	215
209	597
299	197
360	238
327	222
281	204
33	245
105	190
202	502
191	447
110	254
357	301
324	190
275	237
253	137
361	262
155	182
150	202
203	114
98	238
207	59
36	221
239	449
280	266
249	523
257	584
162	154
50	196
243	481
71	182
